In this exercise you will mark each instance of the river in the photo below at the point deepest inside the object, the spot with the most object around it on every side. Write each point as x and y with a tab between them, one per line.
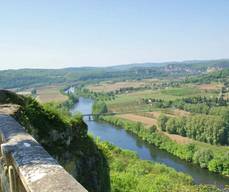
125	140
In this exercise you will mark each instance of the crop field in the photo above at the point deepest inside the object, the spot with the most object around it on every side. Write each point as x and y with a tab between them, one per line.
135	98
184	91
153	114
137	118
108	86
133	101
210	86
148	114
178	138
138	111
167	111
49	94
129	106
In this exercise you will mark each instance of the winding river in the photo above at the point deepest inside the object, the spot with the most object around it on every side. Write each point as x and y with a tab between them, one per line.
125	140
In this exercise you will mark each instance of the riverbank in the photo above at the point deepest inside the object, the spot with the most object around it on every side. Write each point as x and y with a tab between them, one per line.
129	173
213	160
126	140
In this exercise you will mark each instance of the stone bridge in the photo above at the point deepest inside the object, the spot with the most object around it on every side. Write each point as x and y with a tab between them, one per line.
25	166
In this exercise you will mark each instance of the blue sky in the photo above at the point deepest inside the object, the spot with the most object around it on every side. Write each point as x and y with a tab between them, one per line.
63	33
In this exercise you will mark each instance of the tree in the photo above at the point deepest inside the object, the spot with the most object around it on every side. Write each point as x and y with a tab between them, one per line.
162	119
99	107
203	157
171	126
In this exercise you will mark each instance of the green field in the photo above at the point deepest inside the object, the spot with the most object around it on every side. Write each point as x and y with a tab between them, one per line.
184	91
133	101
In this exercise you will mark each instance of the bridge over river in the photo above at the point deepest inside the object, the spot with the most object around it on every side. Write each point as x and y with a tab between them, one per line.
90	115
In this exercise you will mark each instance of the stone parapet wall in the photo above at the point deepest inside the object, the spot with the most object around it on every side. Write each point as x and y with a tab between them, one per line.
25	166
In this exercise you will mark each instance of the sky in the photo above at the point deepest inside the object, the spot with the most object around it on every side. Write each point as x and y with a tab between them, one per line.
73	33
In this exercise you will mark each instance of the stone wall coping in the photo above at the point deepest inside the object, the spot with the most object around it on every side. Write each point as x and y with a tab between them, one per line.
38	171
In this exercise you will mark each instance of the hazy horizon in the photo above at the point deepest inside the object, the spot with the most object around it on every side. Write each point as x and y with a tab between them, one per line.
115	65
60	34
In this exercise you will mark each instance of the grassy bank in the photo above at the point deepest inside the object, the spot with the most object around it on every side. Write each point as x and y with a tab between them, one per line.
130	174
205	155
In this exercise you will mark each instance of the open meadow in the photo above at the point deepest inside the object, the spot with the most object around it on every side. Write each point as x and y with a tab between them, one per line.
110	86
50	94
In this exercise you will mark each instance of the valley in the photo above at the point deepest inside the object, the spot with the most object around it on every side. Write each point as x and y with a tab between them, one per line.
180	122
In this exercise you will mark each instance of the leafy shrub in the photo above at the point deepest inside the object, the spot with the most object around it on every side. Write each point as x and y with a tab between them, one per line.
203	157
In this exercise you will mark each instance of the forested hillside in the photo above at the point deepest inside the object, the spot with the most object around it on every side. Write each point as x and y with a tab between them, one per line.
216	76
25	78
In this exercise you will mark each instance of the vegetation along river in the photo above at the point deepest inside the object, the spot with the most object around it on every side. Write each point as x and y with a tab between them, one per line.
125	140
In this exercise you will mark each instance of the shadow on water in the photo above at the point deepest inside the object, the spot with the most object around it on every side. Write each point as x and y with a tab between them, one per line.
127	140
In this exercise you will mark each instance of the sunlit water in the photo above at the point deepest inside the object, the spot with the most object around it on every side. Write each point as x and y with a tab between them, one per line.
126	140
